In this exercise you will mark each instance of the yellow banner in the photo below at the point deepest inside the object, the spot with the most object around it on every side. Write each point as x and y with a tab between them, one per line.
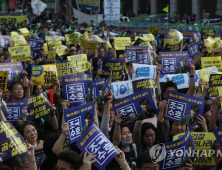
51	39
51	45
21	53
44	74
51	55
202	141
122	42
78	58
149	37
205	74
153	29
211	61
45	46
71	68
11	18
18	40
72	38
24	31
60	50
3	80
88	45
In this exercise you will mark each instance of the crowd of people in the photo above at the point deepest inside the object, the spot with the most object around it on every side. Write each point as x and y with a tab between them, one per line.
133	143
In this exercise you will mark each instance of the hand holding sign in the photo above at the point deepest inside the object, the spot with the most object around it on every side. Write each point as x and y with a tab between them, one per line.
88	160
65	104
192	69
65	129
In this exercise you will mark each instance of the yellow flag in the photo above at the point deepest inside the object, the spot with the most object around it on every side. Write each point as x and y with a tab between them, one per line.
166	9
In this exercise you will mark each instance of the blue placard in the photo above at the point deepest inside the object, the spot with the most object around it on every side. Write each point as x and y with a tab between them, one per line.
38	106
131	52
193	48
76	88
174	62
79	119
218	134
215	80
183	108
40	157
115	65
98	88
14	110
177	152
94	141
34	42
134	105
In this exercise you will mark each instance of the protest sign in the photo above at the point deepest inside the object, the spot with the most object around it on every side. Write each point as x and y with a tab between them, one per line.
37	106
149	37
183	80
94	141
144	71
12	143
44	74
36	51
218	134
79	119
112	10
80	58
14	110
205	33
193	48
72	38
4	41
107	89
115	65
153	29
142	84
18	40
215	80
202	142
211	61
169	47
141	42
177	152
174	62
51	55
60	50
88	45
131	52
205	73
98	88
143	56
14	70
54	44
183	108
77	88
34	42
21	53
212	92
121	42
24	31
45	46
40	157
52	39
131	106
122	89
3	80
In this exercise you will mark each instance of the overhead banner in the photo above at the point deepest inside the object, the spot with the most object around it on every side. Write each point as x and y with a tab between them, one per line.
50	6
92	5
112	10
19	19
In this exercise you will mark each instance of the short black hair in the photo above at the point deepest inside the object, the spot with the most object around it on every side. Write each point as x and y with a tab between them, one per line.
88	115
22	127
143	158
144	101
195	108
207	108
111	41
70	157
90	85
12	84
168	84
101	88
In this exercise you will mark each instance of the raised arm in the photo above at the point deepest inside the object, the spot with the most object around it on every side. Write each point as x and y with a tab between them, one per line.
137	133
117	130
192	81
204	92
213	117
158	70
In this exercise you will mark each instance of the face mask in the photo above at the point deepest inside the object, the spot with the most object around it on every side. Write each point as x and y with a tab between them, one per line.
126	143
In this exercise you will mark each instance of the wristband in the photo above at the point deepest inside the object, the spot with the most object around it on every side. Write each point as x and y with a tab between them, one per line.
191	76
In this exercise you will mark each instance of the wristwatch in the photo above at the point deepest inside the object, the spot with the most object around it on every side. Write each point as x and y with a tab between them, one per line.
58	89
191	75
